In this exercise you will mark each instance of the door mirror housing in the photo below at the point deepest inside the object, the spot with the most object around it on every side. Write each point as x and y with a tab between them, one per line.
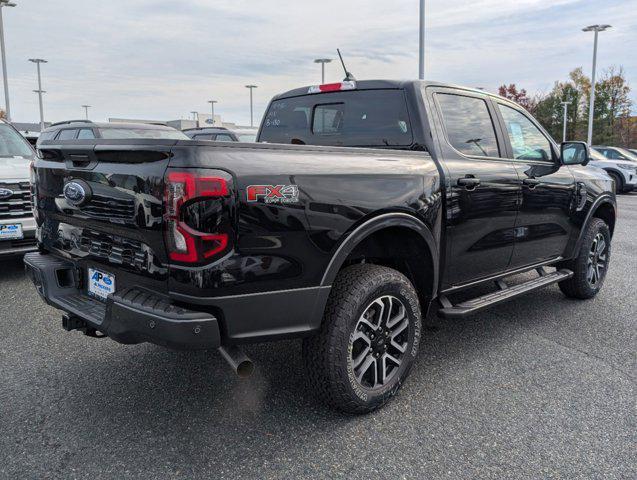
575	153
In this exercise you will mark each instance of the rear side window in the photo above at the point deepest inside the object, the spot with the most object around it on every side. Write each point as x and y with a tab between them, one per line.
355	118
85	133
202	136
68	134
469	125
224	137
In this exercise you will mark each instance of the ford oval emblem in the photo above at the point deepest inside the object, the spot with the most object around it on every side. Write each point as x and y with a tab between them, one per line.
5	193
77	192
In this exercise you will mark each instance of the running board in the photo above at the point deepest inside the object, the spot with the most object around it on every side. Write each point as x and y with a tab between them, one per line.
504	293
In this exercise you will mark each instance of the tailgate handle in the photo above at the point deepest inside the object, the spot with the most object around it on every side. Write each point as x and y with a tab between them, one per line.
80	160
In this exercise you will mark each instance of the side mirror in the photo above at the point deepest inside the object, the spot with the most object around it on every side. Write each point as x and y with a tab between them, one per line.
575	153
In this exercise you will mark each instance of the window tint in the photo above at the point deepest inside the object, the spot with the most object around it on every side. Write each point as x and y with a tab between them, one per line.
527	141
354	118
86	133
224	137
469	125
68	134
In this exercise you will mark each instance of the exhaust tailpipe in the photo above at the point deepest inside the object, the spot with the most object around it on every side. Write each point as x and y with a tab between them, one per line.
237	359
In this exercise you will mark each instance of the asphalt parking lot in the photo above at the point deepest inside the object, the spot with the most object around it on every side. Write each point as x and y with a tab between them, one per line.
542	387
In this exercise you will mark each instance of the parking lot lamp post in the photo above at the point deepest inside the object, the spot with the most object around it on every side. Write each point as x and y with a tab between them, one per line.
5	3
86	107
39	91
565	105
421	42
251	87
212	111
323	61
596	29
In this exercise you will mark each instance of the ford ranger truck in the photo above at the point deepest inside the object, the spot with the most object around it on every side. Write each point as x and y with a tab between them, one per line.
17	227
199	245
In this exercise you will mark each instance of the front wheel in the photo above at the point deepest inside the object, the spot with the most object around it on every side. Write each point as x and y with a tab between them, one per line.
368	340
591	265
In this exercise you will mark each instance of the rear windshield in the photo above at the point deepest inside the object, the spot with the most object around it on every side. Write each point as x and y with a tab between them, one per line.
351	119
122	133
12	144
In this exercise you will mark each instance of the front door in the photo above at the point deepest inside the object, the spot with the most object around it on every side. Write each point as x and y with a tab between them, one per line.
543	226
482	190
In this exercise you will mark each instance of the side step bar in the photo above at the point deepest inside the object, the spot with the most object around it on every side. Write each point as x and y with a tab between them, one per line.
505	293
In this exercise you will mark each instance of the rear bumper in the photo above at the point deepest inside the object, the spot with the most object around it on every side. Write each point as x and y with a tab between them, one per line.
132	315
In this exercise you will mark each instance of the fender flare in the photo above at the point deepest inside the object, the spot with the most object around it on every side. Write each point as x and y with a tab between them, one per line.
373	225
599	201
616	172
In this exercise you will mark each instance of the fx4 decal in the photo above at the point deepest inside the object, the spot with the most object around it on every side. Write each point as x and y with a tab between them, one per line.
273	193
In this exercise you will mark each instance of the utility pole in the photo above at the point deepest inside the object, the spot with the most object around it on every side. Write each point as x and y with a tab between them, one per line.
565	105
5	3
421	54
212	110
251	87
86	107
591	109
323	61
39	91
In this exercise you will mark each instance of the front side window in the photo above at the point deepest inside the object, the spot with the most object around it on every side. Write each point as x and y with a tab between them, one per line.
68	134
527	141
469	125
224	137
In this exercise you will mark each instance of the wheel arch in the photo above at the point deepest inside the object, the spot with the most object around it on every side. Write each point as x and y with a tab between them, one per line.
605	208
422	270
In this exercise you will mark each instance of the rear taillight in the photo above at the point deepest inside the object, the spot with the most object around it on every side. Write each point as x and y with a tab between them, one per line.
197	211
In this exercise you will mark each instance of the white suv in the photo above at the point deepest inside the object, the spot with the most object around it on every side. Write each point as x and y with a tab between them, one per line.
17	226
623	171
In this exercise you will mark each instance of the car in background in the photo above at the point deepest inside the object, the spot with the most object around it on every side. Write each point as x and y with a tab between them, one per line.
616	153
623	172
215	134
246	134
17	225
87	130
632	150
31	136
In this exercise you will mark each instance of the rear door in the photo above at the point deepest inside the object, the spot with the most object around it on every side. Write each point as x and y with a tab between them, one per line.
543	226
482	186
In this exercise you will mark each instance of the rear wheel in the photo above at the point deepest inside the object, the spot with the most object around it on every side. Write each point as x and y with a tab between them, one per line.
368	341
591	265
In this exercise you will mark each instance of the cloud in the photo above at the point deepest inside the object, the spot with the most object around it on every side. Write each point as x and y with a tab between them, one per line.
161	59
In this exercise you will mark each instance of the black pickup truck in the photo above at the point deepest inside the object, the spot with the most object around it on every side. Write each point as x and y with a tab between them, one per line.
198	245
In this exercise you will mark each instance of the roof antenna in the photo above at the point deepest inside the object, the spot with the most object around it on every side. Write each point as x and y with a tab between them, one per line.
348	76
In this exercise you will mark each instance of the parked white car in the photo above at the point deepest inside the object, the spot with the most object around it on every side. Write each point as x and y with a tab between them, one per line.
624	172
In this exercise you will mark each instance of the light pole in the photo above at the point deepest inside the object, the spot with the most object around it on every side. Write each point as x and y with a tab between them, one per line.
39	91
195	117
421	43
565	105
596	29
212	110
251	87
323	61
86	107
5	3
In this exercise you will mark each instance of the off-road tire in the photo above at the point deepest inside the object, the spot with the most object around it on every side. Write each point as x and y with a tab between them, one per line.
327	356
578	285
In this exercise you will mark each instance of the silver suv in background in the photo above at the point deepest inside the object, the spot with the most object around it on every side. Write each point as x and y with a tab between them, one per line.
17	226
623	172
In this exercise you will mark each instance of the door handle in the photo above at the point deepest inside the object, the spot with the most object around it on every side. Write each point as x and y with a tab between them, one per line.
470	183
531	183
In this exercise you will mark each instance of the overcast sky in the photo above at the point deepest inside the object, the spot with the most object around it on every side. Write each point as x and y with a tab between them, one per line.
161	59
